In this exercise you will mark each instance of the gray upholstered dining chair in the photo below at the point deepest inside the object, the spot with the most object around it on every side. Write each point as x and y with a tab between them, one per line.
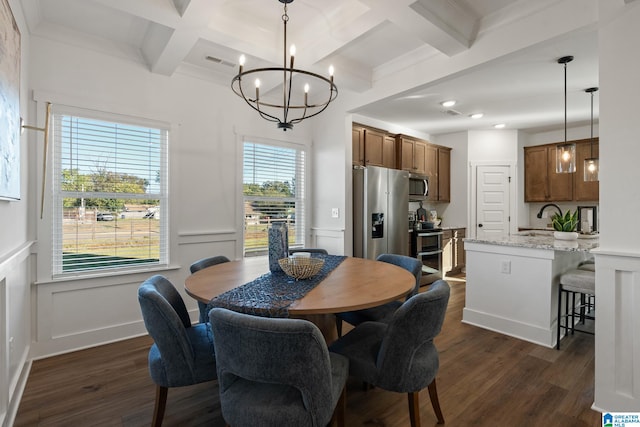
182	354
276	372
310	250
383	312
199	265
400	355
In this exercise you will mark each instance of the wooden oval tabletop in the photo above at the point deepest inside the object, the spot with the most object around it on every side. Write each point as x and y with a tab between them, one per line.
355	284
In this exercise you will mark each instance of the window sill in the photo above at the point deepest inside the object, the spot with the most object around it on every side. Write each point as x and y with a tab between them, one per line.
67	277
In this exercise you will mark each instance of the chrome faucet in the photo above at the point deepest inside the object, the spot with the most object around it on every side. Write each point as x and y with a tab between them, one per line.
548	205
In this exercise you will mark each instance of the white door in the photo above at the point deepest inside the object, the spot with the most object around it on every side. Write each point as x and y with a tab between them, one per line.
492	201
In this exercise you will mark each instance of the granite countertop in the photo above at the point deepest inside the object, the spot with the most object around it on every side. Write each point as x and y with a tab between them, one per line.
540	240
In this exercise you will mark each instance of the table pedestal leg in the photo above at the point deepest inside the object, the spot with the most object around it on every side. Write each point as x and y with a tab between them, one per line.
325	322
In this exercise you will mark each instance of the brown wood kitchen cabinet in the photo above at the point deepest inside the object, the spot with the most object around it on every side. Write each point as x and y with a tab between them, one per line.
447	251
453	255
411	154
541	182
373	147
585	190
357	145
438	169
460	257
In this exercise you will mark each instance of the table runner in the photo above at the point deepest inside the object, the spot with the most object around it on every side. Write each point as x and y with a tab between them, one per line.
271	294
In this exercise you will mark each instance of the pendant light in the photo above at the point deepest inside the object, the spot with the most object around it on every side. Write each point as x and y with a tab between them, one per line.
565	153
591	164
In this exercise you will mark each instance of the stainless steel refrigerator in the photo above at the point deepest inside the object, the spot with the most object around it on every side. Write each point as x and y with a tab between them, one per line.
380	211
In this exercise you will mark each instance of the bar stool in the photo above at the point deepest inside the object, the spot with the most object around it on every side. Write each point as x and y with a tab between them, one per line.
581	282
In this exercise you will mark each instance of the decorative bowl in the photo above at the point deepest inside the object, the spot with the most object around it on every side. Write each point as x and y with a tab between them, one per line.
301	268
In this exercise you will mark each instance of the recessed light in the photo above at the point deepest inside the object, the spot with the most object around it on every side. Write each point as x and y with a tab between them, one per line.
499	126
450	103
476	115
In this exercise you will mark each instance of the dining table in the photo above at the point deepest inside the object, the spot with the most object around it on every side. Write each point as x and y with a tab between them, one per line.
354	284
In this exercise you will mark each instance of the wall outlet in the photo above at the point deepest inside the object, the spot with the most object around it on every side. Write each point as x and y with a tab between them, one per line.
505	267
335	213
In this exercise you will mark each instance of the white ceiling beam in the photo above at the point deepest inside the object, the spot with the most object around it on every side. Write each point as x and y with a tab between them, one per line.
164	13
437	23
195	17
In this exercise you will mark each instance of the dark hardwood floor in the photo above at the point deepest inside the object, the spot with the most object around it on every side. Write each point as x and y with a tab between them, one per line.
485	379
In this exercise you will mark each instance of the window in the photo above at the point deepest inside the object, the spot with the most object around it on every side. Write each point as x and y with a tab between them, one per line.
109	191
274	191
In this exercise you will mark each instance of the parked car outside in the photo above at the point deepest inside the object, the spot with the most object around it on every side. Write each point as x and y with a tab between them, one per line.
104	216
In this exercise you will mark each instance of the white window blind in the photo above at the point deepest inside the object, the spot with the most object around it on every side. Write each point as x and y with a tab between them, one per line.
274	190
110	191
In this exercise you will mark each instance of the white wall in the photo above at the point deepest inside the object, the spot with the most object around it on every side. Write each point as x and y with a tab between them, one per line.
454	214
617	379
207	122
331	179
15	251
493	146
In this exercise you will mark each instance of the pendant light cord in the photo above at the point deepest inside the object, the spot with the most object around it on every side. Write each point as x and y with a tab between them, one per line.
591	124
565	102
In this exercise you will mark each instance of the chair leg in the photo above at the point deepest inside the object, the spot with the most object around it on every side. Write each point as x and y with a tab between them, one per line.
559	316
339	326
433	394
340	409
161	403
414	408
573	311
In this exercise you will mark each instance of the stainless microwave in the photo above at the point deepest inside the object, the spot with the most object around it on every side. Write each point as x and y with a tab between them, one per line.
418	187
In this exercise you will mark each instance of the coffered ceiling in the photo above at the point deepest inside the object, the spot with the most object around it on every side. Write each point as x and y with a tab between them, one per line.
365	40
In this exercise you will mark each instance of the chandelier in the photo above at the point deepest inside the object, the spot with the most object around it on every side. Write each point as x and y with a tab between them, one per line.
303	94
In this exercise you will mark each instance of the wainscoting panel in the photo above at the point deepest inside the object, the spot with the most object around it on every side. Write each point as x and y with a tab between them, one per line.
15	329
4	367
617	379
83	313
197	245
331	239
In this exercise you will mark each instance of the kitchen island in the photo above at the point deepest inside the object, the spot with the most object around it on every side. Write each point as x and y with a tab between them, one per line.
512	282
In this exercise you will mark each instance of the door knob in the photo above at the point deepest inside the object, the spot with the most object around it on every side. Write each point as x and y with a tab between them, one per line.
480	225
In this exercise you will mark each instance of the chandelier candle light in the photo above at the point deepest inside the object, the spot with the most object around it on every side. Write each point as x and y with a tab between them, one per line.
565	153
591	164
295	106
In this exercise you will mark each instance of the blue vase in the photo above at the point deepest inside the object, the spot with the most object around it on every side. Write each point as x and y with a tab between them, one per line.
278	245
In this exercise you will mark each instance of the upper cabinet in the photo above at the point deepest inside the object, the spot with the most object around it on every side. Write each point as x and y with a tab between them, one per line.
438	169
357	145
585	190
543	184
444	174
411	154
373	147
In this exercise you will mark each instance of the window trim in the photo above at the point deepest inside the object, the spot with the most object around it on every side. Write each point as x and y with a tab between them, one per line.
54	211
277	140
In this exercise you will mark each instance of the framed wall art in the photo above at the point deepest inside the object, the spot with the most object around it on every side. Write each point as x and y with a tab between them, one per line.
9	104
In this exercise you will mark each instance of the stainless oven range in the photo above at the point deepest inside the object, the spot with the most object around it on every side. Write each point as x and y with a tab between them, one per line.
427	247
